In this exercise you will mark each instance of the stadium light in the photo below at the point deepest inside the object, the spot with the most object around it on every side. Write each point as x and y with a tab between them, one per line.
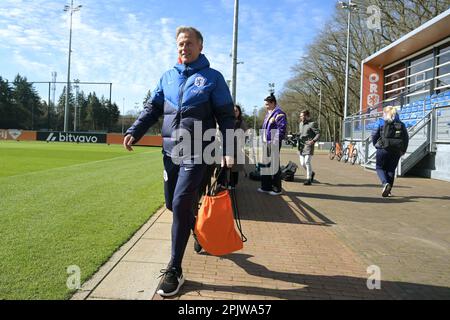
70	9
272	87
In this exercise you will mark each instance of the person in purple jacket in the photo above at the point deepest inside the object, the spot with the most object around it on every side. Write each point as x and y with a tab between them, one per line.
274	131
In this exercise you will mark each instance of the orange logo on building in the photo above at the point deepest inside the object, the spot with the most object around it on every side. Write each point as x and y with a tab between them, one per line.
373	98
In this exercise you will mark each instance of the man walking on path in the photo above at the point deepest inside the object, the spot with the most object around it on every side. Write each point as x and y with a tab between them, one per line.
186	95
309	134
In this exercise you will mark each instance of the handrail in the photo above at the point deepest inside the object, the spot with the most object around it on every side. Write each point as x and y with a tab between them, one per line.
415	130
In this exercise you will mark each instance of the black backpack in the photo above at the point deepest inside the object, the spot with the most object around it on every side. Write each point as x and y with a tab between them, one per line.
288	171
392	136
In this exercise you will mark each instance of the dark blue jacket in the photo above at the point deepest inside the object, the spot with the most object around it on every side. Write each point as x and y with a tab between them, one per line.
187	93
376	134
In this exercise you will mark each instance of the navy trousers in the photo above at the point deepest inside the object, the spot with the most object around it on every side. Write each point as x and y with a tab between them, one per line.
386	164
181	189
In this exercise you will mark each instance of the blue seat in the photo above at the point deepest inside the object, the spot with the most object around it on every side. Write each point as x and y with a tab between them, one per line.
434	98
428	106
414	107
412	123
419	104
419	114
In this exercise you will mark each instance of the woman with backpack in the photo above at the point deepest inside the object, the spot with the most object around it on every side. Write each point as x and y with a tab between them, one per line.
391	141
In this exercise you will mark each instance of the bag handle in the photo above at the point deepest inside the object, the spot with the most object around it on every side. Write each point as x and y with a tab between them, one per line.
237	215
214	189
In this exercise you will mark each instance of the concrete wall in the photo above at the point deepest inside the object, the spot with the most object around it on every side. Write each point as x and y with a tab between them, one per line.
435	166
442	163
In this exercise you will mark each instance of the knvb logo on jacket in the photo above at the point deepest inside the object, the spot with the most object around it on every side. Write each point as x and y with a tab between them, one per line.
199	82
71	137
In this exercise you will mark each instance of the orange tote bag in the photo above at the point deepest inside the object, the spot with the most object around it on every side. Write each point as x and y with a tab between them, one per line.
214	227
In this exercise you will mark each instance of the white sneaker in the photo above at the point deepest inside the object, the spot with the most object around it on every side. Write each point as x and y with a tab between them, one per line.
275	193
172	282
386	190
263	191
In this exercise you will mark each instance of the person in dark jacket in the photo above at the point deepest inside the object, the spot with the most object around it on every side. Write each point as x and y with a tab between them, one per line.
309	134
391	140
190	94
274	131
239	123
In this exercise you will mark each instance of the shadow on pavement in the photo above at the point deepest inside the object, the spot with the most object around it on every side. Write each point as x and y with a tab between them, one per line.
357	185
307	286
287	208
375	199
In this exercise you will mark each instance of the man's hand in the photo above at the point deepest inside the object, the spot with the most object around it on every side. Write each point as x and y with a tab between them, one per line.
128	142
227	161
311	142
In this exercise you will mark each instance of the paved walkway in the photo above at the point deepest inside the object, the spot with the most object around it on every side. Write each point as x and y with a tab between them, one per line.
313	242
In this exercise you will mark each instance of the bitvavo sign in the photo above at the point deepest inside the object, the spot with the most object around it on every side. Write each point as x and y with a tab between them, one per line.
71	137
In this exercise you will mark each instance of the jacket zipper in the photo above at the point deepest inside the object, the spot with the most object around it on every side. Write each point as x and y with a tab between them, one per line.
180	102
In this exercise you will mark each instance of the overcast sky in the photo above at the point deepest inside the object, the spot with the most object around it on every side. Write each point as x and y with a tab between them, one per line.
131	43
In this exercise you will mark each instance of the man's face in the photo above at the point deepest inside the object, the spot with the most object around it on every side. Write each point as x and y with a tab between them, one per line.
189	47
303	118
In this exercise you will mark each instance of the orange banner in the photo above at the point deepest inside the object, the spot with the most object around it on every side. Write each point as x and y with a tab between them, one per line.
19	135
372	87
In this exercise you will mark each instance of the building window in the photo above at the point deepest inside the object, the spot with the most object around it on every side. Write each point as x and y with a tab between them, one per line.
394	81
442	81
420	75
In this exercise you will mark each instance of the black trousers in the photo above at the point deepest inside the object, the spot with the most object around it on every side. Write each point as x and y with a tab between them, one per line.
272	182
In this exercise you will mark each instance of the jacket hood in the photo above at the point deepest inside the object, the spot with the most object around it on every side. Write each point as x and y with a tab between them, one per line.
193	67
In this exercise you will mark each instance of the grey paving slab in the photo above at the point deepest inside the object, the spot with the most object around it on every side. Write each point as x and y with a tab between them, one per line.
161	231
150	250
130	281
166	217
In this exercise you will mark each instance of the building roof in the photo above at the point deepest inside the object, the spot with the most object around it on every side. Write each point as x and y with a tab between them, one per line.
427	34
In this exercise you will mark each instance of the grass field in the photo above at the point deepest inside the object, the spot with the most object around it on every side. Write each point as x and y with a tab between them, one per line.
64	204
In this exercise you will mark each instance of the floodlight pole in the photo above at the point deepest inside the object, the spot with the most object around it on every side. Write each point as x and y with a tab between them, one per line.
234	52
123	114
349	6
66	108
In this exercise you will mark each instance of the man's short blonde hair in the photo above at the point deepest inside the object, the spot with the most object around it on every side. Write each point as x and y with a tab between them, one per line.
197	33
